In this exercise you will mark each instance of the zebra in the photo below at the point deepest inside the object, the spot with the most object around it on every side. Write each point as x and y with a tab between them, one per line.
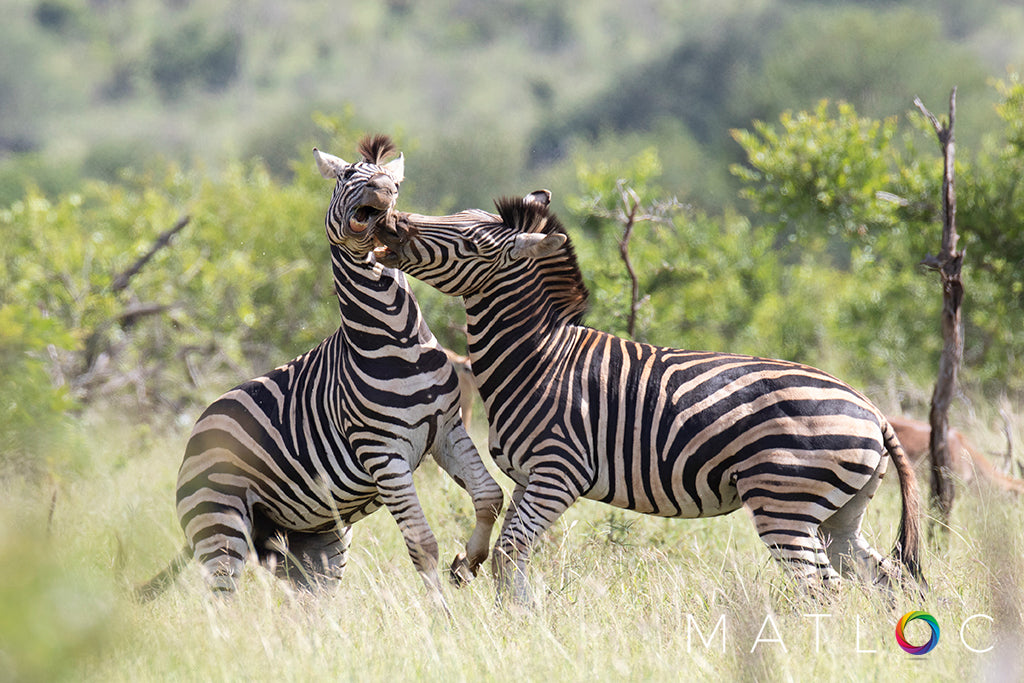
575	412
281	466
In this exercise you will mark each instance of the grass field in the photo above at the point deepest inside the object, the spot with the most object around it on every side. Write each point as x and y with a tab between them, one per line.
622	596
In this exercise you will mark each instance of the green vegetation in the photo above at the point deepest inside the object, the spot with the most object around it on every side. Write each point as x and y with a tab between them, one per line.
785	193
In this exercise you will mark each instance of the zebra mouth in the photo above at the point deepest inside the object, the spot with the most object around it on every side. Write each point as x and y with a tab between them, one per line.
363	217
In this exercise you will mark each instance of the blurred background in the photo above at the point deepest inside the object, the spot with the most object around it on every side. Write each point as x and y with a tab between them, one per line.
488	96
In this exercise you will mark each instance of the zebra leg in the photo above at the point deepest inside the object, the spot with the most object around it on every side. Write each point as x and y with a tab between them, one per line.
791	531
500	573
393	478
534	509
460	459
848	550
517	498
221	537
309	560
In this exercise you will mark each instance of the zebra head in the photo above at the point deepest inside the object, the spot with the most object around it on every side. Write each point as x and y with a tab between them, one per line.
460	254
365	191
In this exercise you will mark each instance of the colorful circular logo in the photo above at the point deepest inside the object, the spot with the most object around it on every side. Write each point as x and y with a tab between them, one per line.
917	649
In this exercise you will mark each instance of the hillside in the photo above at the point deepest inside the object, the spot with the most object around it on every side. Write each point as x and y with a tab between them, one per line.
497	92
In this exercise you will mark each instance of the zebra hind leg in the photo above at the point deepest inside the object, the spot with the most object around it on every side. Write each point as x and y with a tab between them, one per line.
801	549
848	550
310	561
222	554
791	532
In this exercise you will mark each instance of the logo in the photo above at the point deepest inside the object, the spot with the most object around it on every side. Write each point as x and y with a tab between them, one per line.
917	649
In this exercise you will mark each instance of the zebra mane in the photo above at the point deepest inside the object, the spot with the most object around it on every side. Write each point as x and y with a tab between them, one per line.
376	148
563	280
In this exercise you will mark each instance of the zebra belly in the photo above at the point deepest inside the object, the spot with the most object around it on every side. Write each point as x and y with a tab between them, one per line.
329	514
660	492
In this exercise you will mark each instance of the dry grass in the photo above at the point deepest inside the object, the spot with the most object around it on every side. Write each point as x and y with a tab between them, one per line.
622	597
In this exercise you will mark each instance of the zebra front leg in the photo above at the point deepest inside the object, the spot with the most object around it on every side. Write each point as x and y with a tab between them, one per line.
461	460
533	510
393	478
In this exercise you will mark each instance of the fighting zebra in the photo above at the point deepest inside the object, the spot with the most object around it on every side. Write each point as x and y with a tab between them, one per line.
575	412
282	465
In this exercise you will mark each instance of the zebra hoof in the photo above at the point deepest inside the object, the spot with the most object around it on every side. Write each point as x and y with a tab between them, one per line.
461	573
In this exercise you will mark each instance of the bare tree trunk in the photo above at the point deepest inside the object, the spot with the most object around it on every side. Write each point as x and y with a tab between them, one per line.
948	263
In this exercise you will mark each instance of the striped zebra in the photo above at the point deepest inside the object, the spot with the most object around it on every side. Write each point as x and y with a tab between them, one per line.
575	412
279	467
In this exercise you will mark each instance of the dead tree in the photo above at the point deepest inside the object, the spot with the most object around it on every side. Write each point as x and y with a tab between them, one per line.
120	282
628	211
630	206
948	263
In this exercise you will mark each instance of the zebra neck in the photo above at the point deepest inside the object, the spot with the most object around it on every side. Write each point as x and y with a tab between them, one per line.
503	337
377	307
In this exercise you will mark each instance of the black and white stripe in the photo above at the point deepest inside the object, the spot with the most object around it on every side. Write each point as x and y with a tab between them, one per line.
575	412
283	464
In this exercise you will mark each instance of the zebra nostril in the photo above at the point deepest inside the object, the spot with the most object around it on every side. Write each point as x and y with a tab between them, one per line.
382	183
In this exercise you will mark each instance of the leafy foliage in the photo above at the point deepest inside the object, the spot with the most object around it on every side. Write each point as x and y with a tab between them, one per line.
816	171
245	286
33	413
852	187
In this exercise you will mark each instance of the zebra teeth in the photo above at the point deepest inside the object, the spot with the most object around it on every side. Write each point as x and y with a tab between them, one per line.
385	255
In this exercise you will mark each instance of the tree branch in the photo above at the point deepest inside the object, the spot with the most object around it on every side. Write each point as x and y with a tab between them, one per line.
120	282
631	202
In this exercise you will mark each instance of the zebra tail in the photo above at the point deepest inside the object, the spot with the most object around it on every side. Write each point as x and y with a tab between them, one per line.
908	543
162	581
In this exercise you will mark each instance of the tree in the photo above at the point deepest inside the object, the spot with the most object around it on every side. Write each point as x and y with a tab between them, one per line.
948	263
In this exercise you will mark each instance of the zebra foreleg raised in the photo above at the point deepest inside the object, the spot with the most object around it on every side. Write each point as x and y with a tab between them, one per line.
460	459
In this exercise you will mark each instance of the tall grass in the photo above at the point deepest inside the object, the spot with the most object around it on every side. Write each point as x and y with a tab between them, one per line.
621	596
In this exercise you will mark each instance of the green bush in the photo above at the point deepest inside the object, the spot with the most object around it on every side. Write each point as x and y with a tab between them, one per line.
34	404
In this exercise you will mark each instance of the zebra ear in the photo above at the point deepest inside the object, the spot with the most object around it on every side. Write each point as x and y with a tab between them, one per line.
541	197
329	165
536	245
396	169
